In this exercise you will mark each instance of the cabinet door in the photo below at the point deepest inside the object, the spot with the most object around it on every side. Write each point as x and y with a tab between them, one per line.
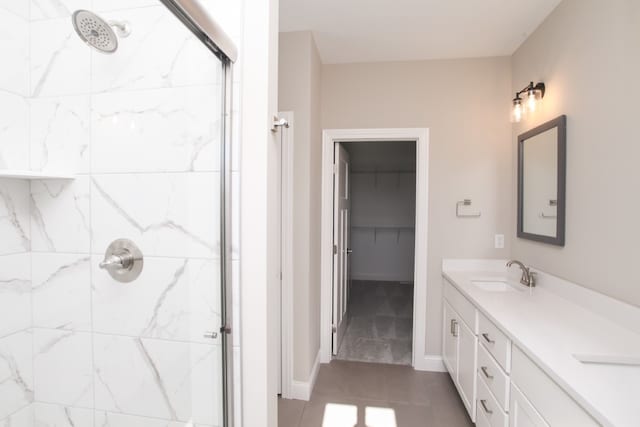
522	413
450	341
467	352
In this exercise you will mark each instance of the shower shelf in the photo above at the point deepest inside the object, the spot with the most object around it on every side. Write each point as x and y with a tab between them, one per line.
27	174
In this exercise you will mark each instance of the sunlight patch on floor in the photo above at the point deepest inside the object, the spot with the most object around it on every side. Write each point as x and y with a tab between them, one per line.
342	415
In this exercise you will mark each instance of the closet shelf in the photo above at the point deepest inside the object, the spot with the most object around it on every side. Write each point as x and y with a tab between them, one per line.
27	174
394	172
383	227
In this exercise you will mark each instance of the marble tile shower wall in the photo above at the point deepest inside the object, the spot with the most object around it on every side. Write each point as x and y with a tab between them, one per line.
141	131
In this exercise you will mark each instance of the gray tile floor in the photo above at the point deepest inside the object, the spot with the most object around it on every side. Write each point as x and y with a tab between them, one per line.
380	316
356	394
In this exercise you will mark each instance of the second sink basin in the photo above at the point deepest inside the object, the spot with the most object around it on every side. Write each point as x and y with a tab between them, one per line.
493	285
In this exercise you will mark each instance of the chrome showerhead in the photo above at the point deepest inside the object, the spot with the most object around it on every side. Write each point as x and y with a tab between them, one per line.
96	32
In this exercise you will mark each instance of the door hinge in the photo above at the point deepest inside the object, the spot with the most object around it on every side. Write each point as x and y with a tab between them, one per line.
335	249
334	329
335	168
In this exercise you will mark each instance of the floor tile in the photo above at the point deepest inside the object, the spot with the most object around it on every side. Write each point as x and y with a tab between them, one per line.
355	394
290	412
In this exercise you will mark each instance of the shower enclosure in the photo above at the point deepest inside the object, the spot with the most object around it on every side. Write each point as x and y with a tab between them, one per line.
114	124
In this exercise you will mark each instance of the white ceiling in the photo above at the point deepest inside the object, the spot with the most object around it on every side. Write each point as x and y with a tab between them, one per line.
403	30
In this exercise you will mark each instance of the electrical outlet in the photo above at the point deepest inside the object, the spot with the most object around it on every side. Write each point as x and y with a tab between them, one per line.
499	241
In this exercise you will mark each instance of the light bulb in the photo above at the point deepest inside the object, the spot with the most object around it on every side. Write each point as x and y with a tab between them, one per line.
518	110
532	100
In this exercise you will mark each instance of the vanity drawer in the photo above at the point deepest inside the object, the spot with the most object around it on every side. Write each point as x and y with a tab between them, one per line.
495	342
494	377
549	400
489	407
481	419
461	305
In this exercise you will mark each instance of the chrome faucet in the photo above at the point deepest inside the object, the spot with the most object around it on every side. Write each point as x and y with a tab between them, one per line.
528	276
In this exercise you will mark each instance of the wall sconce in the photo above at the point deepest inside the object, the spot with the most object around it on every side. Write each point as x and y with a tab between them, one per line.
532	94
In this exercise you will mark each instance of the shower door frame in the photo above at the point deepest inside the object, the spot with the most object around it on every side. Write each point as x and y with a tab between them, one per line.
209	32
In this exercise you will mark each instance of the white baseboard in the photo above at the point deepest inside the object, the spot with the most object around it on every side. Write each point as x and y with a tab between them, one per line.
430	363
301	390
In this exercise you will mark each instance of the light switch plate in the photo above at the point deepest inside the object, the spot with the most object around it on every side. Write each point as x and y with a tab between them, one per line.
499	241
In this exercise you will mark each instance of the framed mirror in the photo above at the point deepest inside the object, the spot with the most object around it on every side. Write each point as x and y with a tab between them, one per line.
542	155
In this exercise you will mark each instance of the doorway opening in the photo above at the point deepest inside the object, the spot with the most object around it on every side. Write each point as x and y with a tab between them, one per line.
374	246
374	225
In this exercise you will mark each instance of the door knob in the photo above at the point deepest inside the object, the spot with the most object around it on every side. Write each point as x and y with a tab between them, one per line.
123	261
349	251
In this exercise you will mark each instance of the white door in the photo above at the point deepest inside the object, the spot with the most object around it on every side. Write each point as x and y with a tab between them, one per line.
521	411
467	352
450	341
341	211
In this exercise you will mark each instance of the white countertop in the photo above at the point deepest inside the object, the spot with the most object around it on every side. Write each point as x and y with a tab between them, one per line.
550	330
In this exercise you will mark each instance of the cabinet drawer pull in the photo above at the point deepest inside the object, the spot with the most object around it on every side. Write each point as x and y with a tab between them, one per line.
487	339
485	371
484	406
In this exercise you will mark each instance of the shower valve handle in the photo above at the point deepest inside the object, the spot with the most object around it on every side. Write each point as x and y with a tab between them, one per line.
121	261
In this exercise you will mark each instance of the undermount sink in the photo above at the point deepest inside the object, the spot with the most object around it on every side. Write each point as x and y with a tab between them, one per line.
493	285
608	359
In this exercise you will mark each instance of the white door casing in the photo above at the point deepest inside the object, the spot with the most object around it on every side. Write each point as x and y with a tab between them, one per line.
342	207
286	251
421	360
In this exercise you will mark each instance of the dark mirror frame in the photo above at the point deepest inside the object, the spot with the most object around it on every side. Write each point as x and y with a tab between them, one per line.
561	124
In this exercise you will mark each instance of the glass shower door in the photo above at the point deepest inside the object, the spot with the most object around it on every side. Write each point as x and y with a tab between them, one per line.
126	144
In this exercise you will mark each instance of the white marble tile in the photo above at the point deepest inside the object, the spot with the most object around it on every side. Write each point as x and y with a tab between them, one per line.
48	9
16	373
49	415
175	299
111	419
14	51
62	367
159	52
14	216
20	8
106	5
173	215
162	379
60	215
14	131
60	61
61	291
59	138
176	129
15	293
22	418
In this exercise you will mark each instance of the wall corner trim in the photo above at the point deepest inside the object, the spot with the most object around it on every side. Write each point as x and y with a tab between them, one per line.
301	390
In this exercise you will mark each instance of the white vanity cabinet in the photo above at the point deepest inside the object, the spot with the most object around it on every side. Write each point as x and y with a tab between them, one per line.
523	414
498	383
538	400
460	345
